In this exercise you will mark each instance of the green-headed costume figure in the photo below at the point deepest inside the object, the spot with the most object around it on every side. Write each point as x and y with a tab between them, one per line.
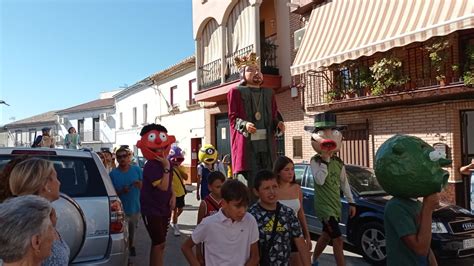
407	168
329	178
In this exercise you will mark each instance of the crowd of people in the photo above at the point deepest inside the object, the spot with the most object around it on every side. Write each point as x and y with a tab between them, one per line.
231	228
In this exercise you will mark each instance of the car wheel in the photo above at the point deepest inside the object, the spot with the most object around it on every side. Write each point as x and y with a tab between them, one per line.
371	242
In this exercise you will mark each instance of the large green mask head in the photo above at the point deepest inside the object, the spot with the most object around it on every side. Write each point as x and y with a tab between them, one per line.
408	167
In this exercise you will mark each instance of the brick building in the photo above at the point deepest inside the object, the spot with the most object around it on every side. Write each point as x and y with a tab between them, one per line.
329	46
426	47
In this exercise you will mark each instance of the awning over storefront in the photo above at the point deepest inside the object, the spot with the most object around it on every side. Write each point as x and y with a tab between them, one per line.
343	30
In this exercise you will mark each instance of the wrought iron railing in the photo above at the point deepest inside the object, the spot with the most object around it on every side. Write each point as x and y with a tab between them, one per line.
232	73
354	79
210	74
268	52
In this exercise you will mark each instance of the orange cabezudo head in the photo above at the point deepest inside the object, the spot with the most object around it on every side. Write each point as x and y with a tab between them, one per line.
155	141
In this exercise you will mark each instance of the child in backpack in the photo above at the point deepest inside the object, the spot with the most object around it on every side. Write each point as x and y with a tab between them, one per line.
231	235
278	225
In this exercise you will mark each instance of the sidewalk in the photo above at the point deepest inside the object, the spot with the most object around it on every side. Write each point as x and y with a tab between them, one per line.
187	223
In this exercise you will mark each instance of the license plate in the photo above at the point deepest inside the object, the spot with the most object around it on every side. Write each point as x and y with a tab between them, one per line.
468	243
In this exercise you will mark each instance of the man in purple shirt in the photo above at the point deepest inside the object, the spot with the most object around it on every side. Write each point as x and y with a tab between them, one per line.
156	198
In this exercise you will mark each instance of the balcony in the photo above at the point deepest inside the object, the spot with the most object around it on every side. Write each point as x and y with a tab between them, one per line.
232	73
412	74
210	74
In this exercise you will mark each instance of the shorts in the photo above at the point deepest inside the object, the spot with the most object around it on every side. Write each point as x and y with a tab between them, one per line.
180	202
331	227
157	227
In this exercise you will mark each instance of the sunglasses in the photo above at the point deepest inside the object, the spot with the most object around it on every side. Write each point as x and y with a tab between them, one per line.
121	156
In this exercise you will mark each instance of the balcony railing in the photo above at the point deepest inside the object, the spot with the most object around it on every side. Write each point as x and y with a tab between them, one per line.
232	73
355	79
210	74
268	58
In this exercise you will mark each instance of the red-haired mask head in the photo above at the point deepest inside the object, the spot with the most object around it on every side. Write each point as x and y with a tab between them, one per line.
155	141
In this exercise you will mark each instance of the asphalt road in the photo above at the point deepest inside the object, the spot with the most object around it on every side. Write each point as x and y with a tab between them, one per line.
187	222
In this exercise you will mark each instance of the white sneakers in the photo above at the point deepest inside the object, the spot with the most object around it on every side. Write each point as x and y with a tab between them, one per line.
176	229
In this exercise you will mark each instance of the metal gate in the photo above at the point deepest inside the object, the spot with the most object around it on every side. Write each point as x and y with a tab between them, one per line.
355	144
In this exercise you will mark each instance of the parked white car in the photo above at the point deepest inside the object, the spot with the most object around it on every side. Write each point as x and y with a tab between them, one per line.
90	215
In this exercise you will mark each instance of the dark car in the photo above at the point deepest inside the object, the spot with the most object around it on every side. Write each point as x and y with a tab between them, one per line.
452	227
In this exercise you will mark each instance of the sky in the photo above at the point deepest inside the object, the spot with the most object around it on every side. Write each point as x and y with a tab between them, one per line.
55	54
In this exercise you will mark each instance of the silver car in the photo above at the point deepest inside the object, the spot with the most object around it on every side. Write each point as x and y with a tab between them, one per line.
90	215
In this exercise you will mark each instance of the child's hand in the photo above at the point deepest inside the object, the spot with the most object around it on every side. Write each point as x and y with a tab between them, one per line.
352	211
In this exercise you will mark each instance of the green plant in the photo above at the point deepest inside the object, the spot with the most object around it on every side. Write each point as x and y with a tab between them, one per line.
468	75
387	73
331	96
468	78
438	53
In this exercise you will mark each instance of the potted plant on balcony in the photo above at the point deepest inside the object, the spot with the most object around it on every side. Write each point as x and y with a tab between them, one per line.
268	57
331	96
468	75
366	81
387	73
438	53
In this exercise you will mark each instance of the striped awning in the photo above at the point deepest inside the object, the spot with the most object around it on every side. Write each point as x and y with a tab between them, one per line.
341	30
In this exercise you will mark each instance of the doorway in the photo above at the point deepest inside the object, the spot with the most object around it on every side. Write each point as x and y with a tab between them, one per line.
222	135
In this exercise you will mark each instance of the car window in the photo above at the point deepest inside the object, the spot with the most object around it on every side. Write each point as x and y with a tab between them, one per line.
79	176
309	178
299	172
363	180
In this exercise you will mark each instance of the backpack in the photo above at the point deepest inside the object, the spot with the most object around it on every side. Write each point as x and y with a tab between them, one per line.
37	142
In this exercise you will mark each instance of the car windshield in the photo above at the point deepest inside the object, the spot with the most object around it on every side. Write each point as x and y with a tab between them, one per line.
363	181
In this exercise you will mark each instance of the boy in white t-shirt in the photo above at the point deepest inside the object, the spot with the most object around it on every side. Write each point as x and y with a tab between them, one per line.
231	235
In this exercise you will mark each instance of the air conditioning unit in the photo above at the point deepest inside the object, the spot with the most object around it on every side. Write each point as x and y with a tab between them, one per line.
298	37
174	108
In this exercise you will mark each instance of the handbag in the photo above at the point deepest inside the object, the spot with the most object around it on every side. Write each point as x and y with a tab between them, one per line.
265	248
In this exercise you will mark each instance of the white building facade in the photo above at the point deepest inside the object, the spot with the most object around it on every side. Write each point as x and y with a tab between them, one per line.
166	98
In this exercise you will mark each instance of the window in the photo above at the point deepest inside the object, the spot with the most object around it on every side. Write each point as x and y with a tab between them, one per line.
80	128
134	118
192	90
299	173
32	135
18	139
145	113
96	129
121	120
297	147
79	176
172	91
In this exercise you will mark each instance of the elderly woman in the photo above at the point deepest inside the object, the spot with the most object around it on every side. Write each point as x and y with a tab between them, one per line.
27	232
35	176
